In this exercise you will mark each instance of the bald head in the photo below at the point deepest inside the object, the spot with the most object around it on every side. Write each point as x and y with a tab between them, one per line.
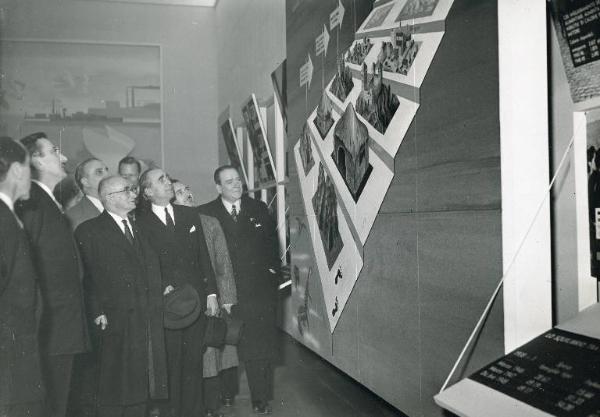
117	195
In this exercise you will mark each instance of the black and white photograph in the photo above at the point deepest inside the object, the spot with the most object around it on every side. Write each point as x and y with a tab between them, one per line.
316	208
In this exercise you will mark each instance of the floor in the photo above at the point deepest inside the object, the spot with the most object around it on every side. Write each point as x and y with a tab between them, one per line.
308	386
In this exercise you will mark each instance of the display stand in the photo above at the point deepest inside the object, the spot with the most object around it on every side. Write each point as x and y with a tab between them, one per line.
548	376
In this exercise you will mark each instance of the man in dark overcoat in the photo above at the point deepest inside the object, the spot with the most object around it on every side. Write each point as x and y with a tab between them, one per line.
122	275
88	174
253	247
175	233
63	331
21	392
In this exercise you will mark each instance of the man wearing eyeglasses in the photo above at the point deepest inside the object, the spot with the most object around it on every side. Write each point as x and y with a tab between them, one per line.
63	332
176	234
126	304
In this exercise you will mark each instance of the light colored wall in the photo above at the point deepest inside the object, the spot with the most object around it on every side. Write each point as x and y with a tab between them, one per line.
251	45
564	226
188	39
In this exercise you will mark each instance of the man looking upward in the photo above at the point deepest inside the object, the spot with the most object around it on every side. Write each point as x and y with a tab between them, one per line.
130	169
88	175
176	234
126	303
63	332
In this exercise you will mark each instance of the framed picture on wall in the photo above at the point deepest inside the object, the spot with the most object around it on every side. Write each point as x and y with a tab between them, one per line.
231	144
199	3
92	99
264	167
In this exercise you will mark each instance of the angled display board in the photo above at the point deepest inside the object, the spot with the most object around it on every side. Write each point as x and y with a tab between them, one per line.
345	157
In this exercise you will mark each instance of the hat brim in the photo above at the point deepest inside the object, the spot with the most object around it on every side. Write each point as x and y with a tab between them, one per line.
178	323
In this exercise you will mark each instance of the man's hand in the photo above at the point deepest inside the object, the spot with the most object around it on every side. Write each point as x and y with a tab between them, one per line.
227	307
101	321
168	289
212	305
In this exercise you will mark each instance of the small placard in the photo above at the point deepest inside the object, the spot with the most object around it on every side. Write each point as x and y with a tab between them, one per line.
580	23
557	372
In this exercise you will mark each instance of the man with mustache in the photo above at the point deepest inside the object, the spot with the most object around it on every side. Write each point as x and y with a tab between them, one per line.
63	332
183	194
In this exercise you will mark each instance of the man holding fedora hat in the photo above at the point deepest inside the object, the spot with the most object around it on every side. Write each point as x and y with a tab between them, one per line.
251	237
176	234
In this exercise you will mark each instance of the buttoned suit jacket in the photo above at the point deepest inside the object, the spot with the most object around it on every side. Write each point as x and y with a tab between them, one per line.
123	283
20	373
184	259
253	249
82	211
183	255
63	328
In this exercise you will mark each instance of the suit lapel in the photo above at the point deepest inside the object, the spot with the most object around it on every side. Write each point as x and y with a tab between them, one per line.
182	225
88	207
116	235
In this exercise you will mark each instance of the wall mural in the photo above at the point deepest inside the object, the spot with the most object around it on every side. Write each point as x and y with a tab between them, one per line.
345	153
92	99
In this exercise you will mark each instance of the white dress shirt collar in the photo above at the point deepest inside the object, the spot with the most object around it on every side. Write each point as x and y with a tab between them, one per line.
160	212
97	203
8	201
49	192
229	206
119	220
11	205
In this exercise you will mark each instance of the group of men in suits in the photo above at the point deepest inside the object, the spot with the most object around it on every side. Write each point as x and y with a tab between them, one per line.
96	278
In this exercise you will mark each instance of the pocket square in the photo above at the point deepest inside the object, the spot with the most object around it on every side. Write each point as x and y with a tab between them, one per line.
193	229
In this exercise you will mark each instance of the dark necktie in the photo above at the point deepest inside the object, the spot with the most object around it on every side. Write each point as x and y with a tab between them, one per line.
234	213
170	222
128	234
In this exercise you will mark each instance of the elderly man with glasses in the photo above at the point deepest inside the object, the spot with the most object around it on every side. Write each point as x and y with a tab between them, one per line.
123	278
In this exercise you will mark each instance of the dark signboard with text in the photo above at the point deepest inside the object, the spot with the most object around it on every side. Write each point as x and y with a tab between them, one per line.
580	24
557	372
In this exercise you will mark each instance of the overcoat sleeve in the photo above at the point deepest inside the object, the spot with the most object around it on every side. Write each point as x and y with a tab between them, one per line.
220	260
205	262
91	286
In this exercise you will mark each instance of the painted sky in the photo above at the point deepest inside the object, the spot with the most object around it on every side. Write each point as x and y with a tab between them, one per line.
77	75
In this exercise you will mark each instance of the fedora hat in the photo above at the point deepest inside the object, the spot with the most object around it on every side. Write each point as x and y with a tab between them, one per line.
182	307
